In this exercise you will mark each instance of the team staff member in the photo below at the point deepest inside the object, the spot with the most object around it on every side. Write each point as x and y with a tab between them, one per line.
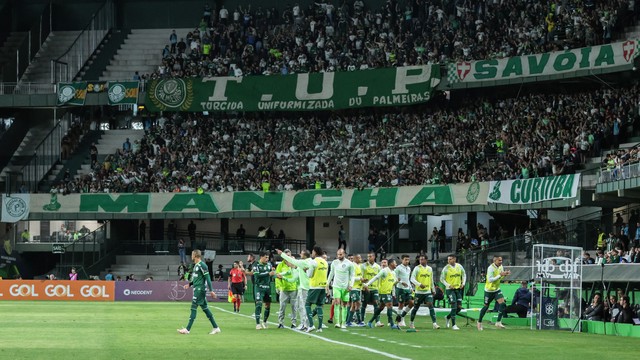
201	281
495	274
454	278
237	284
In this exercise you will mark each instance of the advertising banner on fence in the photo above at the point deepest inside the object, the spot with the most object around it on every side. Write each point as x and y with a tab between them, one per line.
15	207
57	290
286	201
296	92
163	291
123	92
72	93
617	55
529	191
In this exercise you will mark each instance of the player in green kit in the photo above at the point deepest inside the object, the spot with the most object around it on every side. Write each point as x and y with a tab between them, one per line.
317	272
355	295
388	281
262	273
404	292
453	277
342	278
370	295
495	274
422	279
201	282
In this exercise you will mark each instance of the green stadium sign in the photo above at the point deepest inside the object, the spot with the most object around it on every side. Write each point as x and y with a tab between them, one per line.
529	191
255	201
614	57
296	92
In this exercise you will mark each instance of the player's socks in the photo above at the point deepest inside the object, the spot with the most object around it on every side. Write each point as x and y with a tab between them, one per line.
192	318
257	314
501	311
267	310
349	315
414	311
363	311
332	312
432	312
376	315
344	314
210	317
309	315
238	304
390	315
320	316
483	311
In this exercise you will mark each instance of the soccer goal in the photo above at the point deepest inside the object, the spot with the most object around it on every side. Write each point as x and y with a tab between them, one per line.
556	295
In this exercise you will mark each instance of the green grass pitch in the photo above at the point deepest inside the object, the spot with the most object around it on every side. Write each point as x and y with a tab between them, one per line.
135	330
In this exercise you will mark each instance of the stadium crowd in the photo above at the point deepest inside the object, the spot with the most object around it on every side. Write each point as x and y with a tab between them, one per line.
479	139
345	36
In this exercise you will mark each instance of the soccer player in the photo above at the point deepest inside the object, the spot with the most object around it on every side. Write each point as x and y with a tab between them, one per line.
237	285
404	292
495	274
302	266
317	272
422	278
201	281
454	278
370	294
262	273
387	283
287	288
342	278
355	295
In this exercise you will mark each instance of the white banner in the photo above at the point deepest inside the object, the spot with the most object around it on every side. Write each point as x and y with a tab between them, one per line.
15	207
529	191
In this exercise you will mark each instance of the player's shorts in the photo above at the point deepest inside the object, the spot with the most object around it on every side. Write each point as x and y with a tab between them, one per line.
490	296
342	294
199	298
404	295
263	295
454	295
237	288
355	295
386	298
316	296
424	298
370	297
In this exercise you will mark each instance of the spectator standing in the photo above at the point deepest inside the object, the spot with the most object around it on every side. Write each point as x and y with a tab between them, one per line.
73	275
173	40
224	15
126	146
219	274
181	251
109	276
142	231
25	236
342	238
433	243
93	151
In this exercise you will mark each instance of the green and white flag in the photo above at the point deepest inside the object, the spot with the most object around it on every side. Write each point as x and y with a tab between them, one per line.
529	191
15	207
74	93
123	92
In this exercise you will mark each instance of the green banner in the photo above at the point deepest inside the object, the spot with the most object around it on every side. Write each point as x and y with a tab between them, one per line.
296	92
123	92
72	93
614	57
250	201
529	191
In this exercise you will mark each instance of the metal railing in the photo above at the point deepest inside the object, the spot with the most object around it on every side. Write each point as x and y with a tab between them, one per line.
27	50
26	88
621	172
69	64
86	253
46	154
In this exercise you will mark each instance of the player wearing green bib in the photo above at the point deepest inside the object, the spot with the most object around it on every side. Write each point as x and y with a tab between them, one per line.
404	291
422	279
388	280
318	269
201	282
355	295
453	277
262	273
342	278
302	266
370	294
495	274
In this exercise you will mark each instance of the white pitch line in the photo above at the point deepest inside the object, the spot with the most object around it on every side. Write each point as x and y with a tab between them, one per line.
391	356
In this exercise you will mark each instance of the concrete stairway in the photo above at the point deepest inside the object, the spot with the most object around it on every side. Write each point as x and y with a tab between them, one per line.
160	267
57	43
141	52
25	151
11	44
109	143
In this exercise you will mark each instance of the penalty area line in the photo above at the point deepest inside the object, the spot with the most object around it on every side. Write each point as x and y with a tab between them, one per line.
377	352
